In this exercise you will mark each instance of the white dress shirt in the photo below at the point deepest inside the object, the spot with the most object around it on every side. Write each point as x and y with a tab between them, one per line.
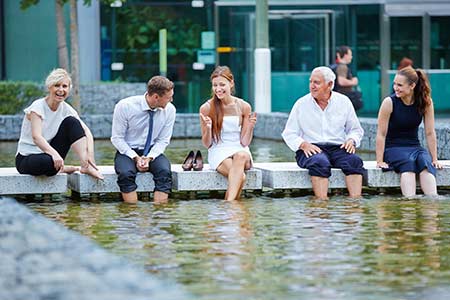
130	126
334	125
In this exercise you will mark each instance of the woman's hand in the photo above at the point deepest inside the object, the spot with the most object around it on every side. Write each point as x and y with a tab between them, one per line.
437	164
252	119
58	162
205	121
382	165
92	163
91	160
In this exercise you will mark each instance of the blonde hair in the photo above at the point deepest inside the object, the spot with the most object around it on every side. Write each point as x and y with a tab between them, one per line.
56	76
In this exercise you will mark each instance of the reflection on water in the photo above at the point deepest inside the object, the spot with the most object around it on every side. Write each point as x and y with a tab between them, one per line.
265	248
262	150
271	248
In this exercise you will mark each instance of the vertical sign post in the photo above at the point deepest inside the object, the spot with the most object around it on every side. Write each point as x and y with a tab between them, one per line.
163	52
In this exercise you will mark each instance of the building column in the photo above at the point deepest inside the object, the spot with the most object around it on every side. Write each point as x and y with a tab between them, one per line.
263	102
2	42
385	52
89	41
426	42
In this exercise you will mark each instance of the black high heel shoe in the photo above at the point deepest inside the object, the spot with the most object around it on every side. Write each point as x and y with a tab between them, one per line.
198	162
188	162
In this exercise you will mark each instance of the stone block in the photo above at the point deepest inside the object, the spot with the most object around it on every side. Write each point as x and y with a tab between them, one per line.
192	126
13	183
377	178
287	175
83	183
209	180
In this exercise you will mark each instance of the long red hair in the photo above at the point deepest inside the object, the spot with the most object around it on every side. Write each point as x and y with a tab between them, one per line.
216	110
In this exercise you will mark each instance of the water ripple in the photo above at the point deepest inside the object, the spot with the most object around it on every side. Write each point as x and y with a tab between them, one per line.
291	248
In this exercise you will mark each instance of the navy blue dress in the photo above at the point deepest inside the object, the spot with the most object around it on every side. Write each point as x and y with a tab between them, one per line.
403	151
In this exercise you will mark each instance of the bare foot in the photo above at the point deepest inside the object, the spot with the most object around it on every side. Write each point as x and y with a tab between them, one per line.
70	169
90	170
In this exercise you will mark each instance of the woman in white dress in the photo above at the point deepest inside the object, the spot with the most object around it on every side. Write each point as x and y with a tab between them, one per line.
227	129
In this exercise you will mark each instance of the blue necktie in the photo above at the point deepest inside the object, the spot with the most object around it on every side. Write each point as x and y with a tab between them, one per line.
150	131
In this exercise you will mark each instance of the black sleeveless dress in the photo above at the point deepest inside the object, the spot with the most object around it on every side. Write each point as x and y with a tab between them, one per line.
403	151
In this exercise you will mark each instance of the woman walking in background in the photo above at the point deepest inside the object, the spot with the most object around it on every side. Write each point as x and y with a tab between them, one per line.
397	143
50	128
227	130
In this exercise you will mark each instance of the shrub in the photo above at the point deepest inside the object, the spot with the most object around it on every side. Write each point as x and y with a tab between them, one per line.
16	95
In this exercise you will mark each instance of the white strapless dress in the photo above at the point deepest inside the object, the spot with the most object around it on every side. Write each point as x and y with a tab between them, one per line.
229	144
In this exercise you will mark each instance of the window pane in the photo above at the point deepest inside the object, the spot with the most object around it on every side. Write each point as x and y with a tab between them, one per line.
406	40
440	43
367	38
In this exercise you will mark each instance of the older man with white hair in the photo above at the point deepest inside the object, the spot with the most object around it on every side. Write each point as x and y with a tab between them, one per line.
323	131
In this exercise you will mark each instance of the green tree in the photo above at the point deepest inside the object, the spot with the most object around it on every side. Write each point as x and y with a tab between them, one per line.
63	60
138	29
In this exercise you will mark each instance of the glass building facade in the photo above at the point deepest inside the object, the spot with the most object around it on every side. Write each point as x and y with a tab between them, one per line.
303	34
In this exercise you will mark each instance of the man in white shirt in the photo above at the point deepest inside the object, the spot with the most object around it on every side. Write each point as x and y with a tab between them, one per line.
324	131
141	130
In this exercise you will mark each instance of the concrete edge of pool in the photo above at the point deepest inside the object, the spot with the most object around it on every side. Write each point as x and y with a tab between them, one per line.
278	175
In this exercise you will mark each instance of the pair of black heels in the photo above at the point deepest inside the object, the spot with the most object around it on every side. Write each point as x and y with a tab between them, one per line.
193	162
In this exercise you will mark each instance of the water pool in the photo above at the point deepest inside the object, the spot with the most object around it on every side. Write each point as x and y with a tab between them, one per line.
271	246
379	247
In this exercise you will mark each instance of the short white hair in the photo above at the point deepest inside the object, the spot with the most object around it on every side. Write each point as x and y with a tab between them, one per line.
56	76
327	74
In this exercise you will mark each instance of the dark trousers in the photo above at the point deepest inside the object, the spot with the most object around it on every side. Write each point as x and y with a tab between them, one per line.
126	170
68	132
332	156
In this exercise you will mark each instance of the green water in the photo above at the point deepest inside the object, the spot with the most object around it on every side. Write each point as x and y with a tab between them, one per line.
273	245
278	248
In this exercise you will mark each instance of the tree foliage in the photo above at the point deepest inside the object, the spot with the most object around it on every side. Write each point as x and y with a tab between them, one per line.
24	4
14	96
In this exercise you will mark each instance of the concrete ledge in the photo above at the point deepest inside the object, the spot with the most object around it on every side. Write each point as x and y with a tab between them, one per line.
377	178
13	183
287	175
283	175
42	259
210	180
83	183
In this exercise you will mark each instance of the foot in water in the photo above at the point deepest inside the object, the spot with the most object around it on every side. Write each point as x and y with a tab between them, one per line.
90	170
70	169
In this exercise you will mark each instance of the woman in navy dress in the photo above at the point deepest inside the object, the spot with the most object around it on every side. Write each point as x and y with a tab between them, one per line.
397	144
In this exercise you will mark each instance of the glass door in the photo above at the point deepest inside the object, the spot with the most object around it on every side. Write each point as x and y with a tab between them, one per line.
299	42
